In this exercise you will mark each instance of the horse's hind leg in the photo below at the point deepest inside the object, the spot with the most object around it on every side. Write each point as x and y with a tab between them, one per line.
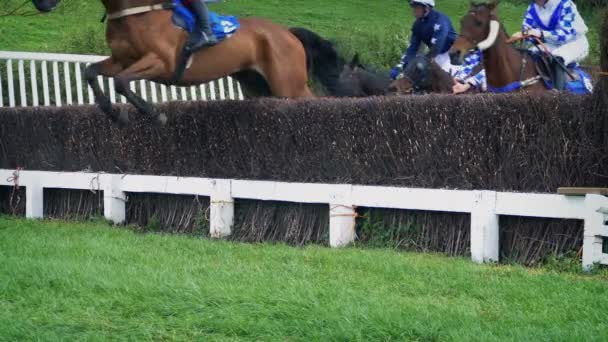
288	79
149	67
106	68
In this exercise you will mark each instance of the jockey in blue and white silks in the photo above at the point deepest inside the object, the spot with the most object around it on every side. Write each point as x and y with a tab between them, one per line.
561	27
199	9
465	79
432	28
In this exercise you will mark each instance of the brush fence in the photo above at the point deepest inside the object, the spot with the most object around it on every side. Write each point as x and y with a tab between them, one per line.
485	207
48	79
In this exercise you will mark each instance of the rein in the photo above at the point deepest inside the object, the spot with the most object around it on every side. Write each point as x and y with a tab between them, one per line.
539	43
139	10
517	84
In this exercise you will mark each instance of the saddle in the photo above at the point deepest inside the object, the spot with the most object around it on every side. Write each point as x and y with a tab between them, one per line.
547	66
223	27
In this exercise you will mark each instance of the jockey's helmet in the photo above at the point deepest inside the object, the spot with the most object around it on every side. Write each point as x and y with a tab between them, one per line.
425	3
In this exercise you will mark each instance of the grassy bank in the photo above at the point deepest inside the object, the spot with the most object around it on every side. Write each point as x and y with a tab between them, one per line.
90	281
378	29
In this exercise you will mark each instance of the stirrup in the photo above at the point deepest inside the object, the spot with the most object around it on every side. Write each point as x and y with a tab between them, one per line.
205	41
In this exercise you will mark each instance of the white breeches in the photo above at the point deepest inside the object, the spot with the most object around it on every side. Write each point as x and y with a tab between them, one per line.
444	62
574	51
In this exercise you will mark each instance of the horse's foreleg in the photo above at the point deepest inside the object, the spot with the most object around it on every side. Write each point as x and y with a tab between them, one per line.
149	67
107	68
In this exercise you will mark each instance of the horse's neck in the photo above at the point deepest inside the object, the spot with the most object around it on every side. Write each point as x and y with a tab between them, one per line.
442	81
503	63
119	5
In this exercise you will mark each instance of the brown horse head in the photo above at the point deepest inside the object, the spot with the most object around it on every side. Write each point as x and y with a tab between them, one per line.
422	75
45	5
506	68
416	78
479	29
401	86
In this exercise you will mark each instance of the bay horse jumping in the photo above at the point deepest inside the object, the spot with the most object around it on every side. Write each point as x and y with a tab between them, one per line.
266	58
506	67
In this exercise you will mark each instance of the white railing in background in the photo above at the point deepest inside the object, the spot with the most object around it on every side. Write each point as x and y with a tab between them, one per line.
49	79
485	207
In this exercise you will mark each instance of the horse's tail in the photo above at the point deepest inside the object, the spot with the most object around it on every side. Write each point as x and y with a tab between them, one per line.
321	58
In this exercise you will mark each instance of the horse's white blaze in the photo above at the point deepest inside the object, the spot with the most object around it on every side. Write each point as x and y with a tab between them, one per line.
488	42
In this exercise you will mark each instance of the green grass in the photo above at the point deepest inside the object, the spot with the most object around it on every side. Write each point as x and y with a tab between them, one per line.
378	29
87	281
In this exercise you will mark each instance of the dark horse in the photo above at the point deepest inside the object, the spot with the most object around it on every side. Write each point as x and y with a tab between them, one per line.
268	59
422	75
358	80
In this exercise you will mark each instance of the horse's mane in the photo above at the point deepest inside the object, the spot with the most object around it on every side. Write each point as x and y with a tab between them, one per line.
376	74
367	80
328	63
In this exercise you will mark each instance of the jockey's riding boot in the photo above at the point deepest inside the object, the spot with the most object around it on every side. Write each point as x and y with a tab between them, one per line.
559	74
207	38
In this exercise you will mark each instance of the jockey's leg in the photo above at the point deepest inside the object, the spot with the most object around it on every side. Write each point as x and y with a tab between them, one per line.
573	52
208	38
444	62
567	54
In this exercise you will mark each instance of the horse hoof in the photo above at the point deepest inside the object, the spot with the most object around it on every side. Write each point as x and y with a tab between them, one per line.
161	119
105	105
122	120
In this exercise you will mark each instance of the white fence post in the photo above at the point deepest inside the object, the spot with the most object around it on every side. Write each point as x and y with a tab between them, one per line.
56	83
45	84
595	230
1	92
68	83
342	217
34	83
114	199
10	84
231	89
23	93
79	87
221	209
34	200
484	228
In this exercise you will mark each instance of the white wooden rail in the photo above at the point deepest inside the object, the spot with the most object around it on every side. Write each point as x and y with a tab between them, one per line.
48	79
485	207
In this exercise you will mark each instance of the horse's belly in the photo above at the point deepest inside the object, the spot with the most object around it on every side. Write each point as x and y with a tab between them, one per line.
123	52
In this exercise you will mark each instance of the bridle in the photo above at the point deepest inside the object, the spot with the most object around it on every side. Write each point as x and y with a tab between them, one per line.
418	86
402	76
489	42
126	12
